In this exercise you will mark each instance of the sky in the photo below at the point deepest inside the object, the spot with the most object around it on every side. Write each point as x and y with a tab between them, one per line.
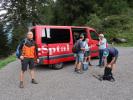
3	12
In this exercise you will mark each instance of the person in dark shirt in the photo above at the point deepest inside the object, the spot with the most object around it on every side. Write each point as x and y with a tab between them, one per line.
80	55
110	56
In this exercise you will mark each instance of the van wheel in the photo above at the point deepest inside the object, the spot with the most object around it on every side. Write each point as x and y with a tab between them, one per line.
58	66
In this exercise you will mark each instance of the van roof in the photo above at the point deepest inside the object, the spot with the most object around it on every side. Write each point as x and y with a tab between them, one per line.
56	26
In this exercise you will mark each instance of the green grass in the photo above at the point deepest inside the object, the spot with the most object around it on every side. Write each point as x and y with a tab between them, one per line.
5	61
129	37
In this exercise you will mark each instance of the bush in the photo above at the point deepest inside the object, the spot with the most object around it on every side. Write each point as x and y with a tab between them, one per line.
79	21
119	26
94	21
4	46
116	21
5	61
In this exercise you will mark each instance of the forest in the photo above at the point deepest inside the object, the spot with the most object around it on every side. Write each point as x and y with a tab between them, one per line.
114	17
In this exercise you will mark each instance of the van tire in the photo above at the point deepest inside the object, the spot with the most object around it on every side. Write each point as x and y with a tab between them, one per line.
58	66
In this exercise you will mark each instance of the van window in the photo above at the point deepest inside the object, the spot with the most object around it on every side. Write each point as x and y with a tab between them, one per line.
55	35
77	32
94	35
43	33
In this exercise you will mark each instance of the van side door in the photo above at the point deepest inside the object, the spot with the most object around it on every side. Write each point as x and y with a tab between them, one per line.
59	42
94	39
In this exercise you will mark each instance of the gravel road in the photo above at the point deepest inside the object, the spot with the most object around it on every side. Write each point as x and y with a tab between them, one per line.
64	84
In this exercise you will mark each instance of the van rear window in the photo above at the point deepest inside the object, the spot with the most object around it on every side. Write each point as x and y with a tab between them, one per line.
55	35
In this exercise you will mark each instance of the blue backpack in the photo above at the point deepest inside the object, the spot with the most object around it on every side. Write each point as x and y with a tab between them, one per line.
17	50
76	47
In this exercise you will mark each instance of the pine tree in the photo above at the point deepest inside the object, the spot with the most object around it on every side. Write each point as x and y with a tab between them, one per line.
4	47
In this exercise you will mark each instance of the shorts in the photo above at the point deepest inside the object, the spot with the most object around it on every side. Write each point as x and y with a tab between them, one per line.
27	62
109	59
79	57
87	53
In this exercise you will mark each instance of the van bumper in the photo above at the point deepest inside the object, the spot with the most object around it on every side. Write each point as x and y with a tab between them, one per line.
43	60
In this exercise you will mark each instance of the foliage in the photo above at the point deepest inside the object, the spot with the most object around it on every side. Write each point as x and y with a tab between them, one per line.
3	42
112	16
94	21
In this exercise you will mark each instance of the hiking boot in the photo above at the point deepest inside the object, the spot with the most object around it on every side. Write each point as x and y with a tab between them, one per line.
75	69
90	64
21	85
79	71
33	81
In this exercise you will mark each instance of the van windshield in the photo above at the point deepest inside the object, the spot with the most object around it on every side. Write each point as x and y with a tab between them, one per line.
51	35
94	35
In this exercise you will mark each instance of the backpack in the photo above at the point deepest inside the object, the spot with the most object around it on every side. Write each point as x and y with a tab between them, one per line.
107	73
76	47
17	50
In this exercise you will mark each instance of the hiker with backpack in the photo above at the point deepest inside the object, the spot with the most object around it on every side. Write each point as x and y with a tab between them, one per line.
27	53
79	51
110	56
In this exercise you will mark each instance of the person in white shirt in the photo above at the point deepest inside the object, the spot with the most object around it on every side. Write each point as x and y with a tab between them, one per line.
87	56
102	47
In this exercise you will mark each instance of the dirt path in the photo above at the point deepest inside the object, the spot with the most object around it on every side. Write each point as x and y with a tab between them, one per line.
64	84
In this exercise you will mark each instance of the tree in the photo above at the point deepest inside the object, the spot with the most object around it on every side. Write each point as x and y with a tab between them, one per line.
114	6
68	12
20	15
4	47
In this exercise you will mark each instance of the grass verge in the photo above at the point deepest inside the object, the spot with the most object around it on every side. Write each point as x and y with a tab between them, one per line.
127	35
5	61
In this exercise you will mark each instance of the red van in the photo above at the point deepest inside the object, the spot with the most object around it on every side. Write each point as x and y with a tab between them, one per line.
55	43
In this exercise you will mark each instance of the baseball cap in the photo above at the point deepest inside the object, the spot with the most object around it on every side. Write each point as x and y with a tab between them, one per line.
105	53
101	35
82	35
